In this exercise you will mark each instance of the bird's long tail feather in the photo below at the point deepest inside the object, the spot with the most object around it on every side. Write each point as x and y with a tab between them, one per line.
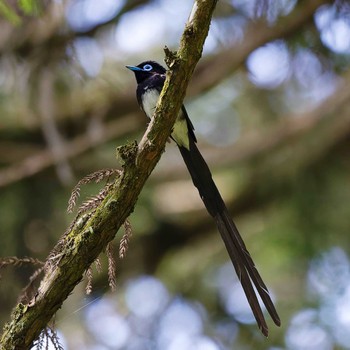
240	257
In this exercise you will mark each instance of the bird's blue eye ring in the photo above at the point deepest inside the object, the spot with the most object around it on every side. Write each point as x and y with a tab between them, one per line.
147	67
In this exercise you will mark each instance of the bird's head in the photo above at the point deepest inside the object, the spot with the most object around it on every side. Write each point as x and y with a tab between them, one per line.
146	69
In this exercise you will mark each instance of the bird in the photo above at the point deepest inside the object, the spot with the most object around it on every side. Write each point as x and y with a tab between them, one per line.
150	77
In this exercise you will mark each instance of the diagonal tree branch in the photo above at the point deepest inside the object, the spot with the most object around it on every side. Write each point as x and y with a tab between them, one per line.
82	245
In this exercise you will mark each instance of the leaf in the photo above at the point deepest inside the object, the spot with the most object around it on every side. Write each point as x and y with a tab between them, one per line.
7	12
29	7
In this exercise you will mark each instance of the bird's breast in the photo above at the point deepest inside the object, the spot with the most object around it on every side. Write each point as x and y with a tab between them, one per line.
180	130
149	101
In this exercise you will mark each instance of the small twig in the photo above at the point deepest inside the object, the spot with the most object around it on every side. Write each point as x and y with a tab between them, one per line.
17	262
124	242
98	265
97	177
88	274
112	279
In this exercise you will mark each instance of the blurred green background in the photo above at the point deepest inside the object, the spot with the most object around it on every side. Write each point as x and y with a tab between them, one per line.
270	102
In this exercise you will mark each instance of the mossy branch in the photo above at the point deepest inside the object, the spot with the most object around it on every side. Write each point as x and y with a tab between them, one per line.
82	245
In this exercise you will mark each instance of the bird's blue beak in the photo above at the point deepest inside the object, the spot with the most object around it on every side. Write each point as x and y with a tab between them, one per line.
134	68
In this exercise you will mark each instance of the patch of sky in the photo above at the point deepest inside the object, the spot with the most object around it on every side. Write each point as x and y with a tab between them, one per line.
214	116
269	65
83	15
335	30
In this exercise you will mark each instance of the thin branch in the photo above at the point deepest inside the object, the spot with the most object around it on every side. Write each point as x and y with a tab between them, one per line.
44	159
54	139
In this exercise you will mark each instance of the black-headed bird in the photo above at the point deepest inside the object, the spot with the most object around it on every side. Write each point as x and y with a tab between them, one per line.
150	77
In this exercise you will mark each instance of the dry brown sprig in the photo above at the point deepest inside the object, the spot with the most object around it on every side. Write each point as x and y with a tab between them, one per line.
97	176
90	205
52	335
112	278
17	262
88	288
46	336
55	254
124	242
28	292
39	343
98	265
93	202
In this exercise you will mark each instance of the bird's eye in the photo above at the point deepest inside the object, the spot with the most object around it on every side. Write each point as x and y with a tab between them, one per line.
147	67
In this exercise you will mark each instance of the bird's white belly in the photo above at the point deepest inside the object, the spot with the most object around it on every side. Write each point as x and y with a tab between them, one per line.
149	101
180	129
